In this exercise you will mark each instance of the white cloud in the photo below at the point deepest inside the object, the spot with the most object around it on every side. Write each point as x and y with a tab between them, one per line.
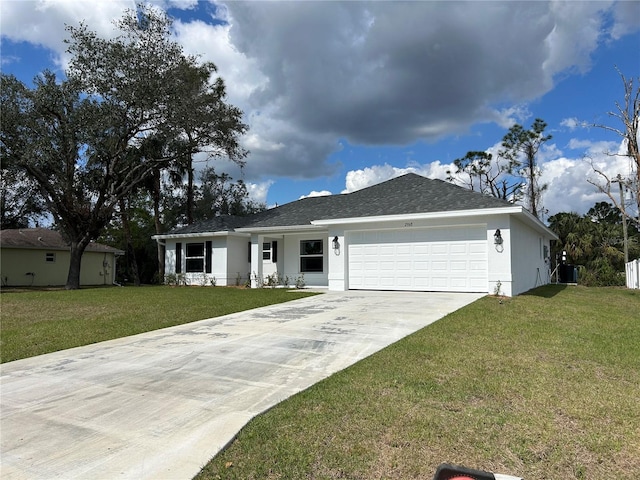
258	191
577	30
211	43
594	148
627	18
182	4
568	188
571	123
313	193
42	22
362	178
307	74
507	117
254	143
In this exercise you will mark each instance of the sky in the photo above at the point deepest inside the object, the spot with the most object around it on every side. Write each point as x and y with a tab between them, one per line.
342	95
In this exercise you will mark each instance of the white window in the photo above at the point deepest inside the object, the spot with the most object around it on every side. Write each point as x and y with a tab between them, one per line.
311	256
195	258
266	251
50	257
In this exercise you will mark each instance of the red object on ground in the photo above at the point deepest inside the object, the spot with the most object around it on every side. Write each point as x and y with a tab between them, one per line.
461	478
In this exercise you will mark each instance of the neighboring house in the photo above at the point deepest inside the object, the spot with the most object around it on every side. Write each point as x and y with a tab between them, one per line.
40	257
408	233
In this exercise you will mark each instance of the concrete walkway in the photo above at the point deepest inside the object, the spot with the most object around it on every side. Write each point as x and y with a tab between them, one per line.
159	405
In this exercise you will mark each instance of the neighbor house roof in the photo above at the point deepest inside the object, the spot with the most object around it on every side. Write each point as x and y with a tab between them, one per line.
407	194
45	239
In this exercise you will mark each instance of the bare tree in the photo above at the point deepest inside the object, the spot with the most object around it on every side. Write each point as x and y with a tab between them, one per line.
480	171
521	147
627	182
512	174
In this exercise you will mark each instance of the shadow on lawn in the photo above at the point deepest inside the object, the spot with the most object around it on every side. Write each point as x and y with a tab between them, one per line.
546	291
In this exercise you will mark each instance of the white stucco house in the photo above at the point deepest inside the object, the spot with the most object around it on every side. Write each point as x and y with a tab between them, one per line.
408	233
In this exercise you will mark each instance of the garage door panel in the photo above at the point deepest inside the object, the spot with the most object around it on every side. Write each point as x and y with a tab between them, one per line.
478	266
440	282
458	249
460	265
478	248
478	284
420	266
387	282
387	249
421	249
437	259
439	266
439	249
457	282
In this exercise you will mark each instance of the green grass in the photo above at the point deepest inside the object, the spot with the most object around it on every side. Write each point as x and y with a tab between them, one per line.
37	322
544	386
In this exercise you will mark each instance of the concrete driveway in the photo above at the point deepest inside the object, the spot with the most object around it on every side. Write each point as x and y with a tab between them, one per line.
159	405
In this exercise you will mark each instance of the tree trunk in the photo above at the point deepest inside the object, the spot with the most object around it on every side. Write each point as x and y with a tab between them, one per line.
131	254
158	225
75	262
190	192
533	191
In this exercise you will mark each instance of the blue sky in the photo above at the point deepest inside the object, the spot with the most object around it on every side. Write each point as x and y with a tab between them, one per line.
342	95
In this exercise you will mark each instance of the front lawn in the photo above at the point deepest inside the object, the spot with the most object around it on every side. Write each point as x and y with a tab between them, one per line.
37	322
543	386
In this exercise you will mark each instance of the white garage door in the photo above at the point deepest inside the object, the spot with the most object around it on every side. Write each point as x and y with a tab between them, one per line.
434	259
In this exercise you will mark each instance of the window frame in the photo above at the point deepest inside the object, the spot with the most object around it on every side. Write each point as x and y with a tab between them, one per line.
266	250
311	254
191	257
50	257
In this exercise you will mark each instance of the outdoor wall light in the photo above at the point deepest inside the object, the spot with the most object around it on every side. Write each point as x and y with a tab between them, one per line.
336	243
497	237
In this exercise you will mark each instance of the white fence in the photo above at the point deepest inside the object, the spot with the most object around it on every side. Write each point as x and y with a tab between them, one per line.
633	274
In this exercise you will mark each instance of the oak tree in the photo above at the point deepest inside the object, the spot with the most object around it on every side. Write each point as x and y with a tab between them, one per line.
128	106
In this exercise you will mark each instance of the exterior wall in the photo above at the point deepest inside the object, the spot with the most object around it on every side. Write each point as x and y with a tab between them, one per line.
287	266
96	268
499	256
170	257
269	267
238	267
229	257
291	258
530	267
338	261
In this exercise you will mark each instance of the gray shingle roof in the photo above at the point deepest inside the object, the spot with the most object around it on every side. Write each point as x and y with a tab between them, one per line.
407	194
45	239
216	224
